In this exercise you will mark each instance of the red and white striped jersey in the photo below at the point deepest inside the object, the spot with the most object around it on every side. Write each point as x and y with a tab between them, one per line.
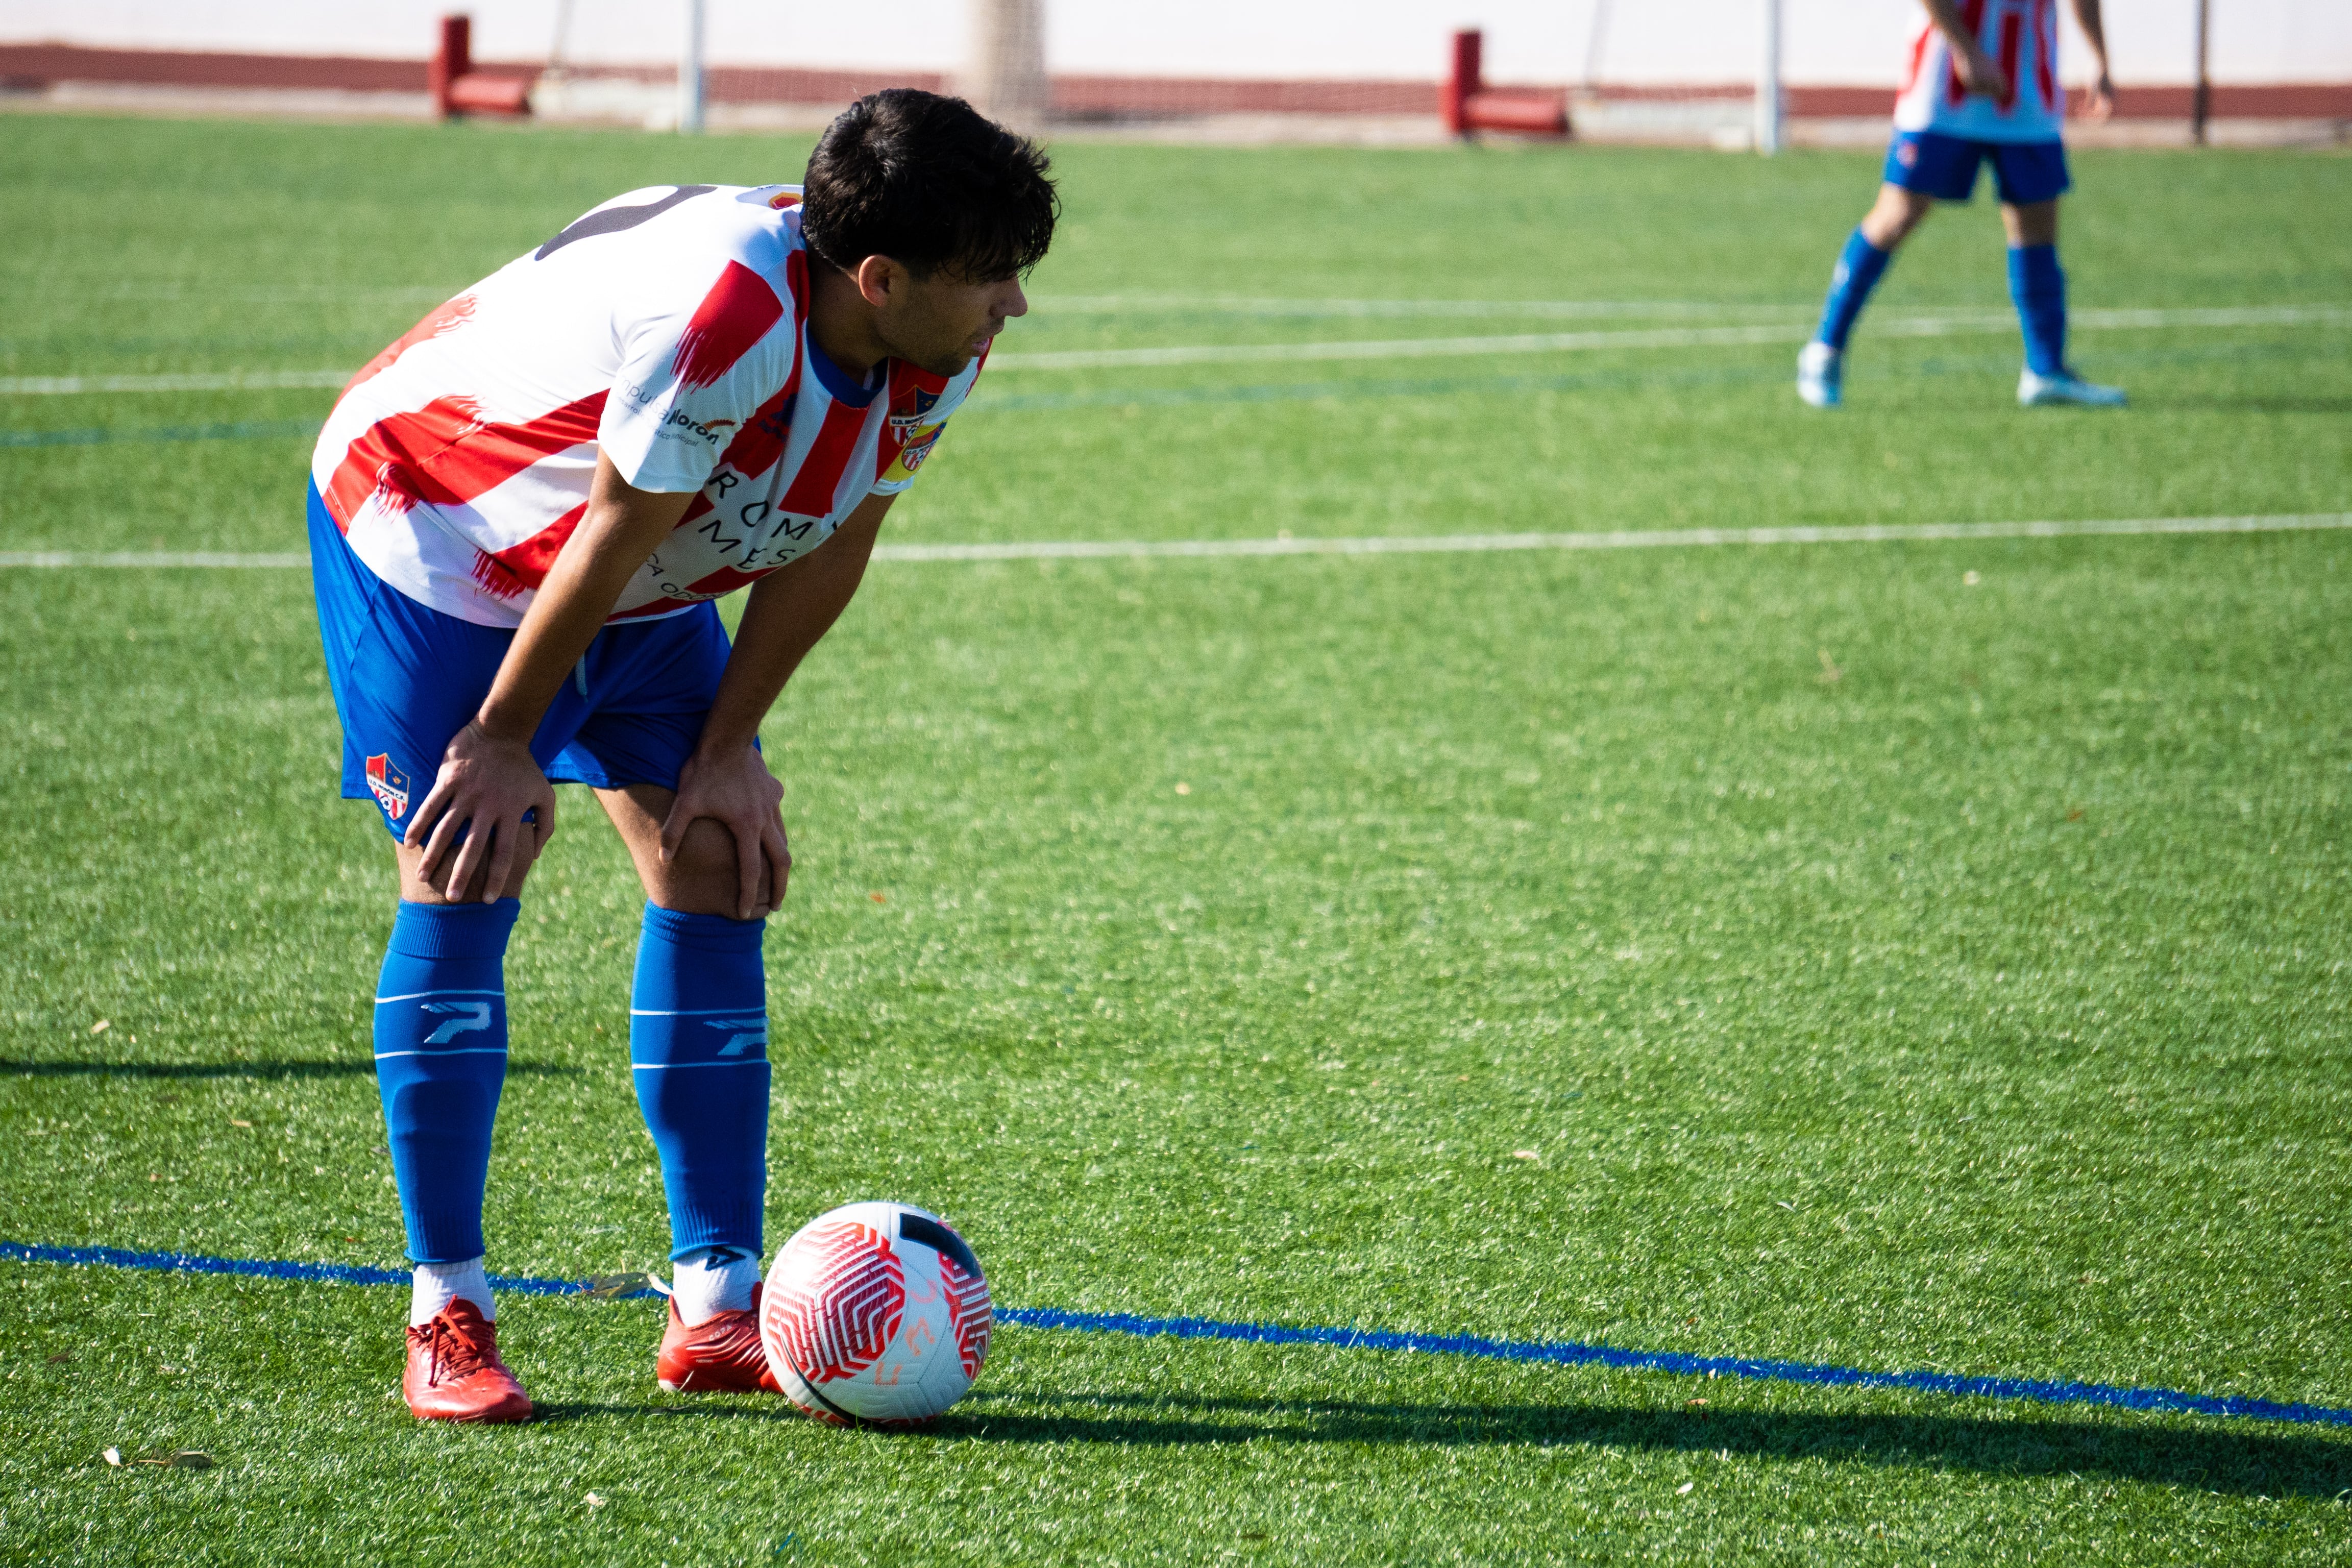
2021	35
669	327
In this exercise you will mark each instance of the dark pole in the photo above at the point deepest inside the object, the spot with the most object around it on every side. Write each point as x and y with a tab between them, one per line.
2201	102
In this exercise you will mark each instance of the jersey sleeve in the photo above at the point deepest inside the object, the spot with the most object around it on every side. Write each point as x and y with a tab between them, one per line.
691	375
916	421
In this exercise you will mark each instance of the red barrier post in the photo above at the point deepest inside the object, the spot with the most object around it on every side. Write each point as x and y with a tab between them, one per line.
1520	112
453	60
1468	104
1461	81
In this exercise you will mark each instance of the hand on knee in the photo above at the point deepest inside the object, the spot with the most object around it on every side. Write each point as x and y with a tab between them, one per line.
415	888
705	876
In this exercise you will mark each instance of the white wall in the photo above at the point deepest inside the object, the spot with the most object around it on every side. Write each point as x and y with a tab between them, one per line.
1848	41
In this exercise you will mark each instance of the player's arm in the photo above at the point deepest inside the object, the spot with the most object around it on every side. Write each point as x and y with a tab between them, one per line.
2102	100
1979	73
488	776
787	613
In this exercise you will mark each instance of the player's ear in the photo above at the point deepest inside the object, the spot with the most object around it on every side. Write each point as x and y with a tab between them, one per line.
879	279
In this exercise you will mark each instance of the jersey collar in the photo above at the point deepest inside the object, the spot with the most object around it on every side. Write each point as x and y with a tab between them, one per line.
839	384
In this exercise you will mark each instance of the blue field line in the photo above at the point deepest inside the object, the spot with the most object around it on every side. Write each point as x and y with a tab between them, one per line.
1572	1353
1558	1352
274	1269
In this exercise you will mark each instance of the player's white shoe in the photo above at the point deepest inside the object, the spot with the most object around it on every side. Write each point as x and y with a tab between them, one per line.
2064	388
1821	374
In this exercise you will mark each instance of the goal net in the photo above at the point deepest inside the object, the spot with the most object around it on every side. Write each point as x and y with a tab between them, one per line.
1727	73
1365	70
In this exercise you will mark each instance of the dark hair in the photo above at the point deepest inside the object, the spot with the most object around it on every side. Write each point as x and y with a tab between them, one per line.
925	180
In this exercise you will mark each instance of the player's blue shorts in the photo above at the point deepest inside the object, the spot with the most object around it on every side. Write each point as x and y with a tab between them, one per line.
1944	167
406	678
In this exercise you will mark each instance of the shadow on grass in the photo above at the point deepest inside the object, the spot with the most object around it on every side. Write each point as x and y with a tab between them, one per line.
363	1069
2237	1459
2256	404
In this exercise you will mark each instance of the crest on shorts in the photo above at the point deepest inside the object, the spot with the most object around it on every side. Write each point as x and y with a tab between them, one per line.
389	785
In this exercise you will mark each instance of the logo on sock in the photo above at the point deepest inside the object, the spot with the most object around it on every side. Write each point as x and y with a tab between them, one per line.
389	785
471	1015
742	1034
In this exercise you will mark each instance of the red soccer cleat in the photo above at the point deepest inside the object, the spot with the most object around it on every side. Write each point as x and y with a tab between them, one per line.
455	1374
722	1355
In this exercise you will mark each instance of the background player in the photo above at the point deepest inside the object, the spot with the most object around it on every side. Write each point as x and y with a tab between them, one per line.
1982	86
520	515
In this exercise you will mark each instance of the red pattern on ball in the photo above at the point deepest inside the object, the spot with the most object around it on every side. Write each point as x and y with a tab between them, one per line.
837	1305
971	1312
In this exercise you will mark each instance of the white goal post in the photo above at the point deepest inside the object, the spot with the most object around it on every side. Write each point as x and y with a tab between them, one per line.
1004	72
689	70
1770	104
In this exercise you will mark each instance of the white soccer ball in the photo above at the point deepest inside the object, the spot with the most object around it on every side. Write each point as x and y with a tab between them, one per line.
875	1312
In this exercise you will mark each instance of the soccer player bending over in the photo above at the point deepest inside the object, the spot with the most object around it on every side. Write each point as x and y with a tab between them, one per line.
1982	85
521	514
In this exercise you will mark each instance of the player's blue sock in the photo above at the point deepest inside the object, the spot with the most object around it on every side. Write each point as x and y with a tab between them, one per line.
440	1059
2039	286
699	1043
1859	267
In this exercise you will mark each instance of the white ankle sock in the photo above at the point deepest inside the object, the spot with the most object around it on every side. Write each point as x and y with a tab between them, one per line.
438	1284
713	1280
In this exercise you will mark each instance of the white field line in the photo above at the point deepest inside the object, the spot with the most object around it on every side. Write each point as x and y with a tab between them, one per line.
1422	545
1044	304
78	561
1066	304
1944	325
1915	326
1237	305
253	294
1628	539
190	381
1401	348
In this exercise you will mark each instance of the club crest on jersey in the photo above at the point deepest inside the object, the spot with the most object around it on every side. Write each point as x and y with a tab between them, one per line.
389	785
911	456
907	415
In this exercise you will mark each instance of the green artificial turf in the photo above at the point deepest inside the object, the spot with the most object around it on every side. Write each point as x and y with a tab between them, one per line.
1897	956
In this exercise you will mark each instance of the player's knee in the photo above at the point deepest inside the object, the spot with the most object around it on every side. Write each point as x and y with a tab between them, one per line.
2033	223
1895	226
416	889
1894	214
705	876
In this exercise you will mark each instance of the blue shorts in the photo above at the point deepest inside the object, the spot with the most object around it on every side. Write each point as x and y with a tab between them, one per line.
406	678
1944	167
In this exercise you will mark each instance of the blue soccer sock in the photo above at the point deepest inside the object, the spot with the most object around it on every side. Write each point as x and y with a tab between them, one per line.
1859	267
2039	286
440	1060
699	1046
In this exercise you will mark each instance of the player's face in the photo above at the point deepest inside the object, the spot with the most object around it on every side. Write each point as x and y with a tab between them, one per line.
945	321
